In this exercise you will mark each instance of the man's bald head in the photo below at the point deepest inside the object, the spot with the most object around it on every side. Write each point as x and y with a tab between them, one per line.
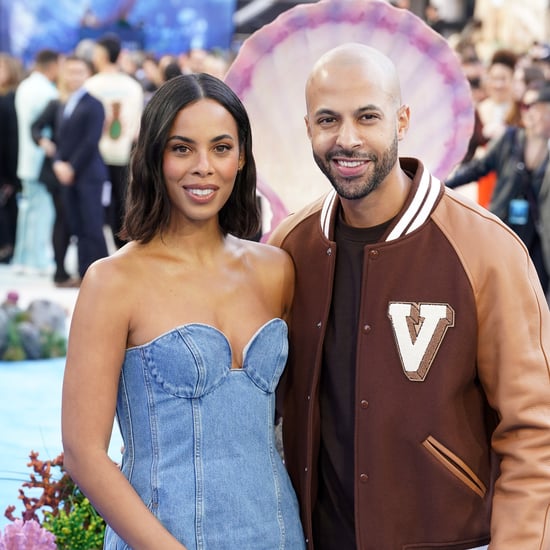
363	61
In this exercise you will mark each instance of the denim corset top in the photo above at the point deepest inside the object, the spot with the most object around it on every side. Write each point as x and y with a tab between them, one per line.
199	445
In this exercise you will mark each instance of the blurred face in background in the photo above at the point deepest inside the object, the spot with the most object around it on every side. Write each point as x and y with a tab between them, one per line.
499	83
474	71
75	73
535	114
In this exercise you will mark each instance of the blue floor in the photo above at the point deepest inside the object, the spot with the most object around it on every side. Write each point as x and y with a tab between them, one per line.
30	419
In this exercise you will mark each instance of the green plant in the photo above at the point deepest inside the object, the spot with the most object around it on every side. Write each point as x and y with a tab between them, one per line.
80	529
66	512
53	344
14	350
34	333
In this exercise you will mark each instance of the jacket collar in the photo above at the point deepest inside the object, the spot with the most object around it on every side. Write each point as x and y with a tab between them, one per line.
425	192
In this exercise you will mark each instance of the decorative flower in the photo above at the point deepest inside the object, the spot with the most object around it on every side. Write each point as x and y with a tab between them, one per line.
26	535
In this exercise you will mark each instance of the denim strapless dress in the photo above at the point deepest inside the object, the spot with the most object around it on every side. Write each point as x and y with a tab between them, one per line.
199	441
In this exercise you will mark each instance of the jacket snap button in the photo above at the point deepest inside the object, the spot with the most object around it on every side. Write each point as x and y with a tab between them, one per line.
374	254
367	329
364	478
364	404
319	324
329	251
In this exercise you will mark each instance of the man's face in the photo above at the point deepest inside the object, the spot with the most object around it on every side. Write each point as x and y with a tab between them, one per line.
354	126
100	56
75	73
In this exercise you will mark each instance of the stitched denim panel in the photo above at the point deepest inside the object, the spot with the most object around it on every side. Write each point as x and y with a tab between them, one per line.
201	450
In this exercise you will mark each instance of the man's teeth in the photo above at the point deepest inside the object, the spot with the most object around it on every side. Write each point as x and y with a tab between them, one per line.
201	192
350	163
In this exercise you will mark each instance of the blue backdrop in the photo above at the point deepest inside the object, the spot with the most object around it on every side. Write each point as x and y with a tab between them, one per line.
158	26
30	420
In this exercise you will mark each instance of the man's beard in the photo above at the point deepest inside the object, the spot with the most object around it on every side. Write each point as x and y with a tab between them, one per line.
356	188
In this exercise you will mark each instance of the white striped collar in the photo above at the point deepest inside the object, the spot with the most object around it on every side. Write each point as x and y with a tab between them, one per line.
414	216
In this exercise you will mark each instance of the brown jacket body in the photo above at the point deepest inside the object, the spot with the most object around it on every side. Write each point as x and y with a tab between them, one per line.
452	398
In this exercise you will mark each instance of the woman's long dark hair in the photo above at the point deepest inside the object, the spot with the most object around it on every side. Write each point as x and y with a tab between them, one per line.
148	206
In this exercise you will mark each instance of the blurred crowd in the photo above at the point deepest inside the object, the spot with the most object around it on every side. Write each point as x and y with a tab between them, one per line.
53	192
38	221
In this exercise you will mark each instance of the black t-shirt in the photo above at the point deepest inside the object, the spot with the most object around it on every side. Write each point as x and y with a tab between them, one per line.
333	516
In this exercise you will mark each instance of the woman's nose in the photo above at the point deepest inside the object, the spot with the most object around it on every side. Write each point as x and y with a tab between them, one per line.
203	165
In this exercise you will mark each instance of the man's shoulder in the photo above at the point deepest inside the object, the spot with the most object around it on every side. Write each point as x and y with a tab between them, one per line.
90	99
109	82
295	222
474	230
35	84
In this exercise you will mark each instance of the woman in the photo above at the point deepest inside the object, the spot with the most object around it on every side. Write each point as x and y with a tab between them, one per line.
499	108
521	197
183	331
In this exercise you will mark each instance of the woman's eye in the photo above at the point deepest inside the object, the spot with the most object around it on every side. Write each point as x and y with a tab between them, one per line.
222	148
180	148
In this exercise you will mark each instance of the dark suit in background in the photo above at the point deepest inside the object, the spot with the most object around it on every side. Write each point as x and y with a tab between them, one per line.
47	125
9	182
77	141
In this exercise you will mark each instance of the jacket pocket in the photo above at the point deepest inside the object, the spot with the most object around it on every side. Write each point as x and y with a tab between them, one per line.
455	465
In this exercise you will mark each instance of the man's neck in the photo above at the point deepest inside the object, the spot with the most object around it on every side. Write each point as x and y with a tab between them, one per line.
379	206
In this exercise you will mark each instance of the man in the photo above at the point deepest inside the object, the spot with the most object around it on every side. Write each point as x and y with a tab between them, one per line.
122	98
78	164
420	343
33	249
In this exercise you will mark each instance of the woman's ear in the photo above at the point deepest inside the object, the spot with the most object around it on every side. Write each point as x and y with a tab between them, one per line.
242	161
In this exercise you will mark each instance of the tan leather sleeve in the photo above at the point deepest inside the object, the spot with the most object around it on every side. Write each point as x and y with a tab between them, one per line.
514	369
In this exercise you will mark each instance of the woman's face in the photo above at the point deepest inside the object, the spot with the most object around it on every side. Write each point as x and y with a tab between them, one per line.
200	162
535	114
500	83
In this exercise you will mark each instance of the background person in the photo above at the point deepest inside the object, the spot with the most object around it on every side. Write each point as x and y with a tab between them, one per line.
521	197
44	131
11	73
33	249
122	99
78	165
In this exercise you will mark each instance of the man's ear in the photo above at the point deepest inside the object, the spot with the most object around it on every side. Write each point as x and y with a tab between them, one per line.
306	120
403	118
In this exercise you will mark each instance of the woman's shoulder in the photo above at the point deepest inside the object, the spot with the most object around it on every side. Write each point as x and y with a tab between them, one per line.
265	254
120	269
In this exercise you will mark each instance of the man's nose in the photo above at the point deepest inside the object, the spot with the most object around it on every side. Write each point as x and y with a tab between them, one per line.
348	136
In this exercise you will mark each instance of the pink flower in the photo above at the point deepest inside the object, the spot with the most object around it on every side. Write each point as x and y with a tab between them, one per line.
28	535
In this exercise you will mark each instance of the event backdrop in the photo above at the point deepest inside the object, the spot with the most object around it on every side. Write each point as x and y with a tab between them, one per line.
158	26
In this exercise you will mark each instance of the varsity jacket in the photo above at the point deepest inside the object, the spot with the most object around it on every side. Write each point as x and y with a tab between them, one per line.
452	395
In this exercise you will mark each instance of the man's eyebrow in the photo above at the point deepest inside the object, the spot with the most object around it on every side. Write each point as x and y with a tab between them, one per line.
360	110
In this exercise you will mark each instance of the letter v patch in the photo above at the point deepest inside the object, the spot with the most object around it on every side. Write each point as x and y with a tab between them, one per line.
419	330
